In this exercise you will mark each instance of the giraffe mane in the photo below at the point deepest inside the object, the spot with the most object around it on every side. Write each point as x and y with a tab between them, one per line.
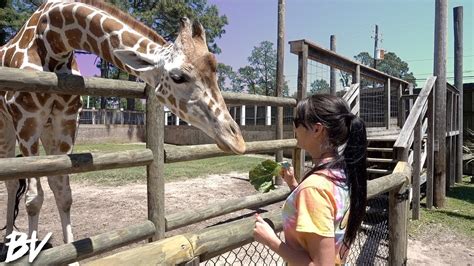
126	18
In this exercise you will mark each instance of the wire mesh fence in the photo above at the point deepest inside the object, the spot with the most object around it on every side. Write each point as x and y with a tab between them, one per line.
369	248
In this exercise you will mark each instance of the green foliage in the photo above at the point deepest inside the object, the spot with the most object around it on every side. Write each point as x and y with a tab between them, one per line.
261	176
13	14
227	78
457	215
391	64
260	76
319	86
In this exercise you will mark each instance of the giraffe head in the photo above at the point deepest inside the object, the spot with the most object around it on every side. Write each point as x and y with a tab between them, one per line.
183	74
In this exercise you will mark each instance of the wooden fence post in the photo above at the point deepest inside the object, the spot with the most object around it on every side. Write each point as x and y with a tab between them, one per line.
397	224
416	169
387	103
155	177
430	149
458	82
299	154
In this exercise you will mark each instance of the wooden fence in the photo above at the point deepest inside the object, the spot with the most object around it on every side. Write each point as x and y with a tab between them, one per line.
199	246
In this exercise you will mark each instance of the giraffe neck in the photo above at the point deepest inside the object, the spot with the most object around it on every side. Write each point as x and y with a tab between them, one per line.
63	27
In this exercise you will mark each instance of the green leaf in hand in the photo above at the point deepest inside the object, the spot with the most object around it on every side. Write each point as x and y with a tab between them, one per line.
261	176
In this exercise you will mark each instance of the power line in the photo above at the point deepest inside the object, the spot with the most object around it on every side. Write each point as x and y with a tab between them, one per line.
431	59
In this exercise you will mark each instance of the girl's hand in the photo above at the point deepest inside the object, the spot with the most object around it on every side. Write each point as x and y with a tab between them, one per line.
264	233
289	176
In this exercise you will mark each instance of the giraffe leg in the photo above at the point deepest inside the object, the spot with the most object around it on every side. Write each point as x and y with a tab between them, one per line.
29	115
7	150
58	138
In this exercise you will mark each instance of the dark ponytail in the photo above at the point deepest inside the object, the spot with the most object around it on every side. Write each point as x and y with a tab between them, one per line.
355	155
343	128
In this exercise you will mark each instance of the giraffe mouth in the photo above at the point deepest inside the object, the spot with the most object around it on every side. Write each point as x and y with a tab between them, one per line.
231	143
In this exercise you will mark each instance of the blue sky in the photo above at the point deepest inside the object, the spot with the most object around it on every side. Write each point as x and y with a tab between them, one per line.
407	28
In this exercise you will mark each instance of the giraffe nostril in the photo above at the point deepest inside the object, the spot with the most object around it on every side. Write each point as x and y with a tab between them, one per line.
233	130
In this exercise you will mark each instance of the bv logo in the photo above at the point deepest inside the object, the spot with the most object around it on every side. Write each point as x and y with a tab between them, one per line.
19	245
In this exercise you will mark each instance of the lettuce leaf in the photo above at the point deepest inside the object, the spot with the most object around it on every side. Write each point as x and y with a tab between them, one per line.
261	176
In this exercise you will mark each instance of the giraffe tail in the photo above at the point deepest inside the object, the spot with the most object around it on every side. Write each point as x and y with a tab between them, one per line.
19	193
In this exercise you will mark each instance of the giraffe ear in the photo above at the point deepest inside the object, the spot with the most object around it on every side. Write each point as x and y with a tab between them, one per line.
135	60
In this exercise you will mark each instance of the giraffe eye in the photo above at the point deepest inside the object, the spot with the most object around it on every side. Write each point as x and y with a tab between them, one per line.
178	76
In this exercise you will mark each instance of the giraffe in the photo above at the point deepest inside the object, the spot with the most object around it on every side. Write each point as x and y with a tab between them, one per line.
183	74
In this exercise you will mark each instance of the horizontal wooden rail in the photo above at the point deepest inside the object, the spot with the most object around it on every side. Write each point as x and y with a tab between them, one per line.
88	247
177	220
331	58
13	79
253	99
407	130
37	166
194	152
219	239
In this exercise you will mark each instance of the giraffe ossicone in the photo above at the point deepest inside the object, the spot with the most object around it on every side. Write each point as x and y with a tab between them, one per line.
183	74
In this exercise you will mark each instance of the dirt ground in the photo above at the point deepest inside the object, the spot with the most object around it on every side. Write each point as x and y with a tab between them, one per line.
97	209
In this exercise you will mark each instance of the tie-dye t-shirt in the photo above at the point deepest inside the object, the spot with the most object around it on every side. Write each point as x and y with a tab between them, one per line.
318	205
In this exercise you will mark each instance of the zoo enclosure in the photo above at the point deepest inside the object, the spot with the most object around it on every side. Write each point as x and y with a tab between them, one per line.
154	157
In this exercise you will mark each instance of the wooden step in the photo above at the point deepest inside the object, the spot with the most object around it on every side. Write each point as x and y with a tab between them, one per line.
380	149
382	139
379	171
381	160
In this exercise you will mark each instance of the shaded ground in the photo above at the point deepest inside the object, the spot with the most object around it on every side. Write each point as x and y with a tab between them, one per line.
97	209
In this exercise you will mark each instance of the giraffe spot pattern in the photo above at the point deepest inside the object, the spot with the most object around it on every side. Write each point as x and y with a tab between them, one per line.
25	100
95	27
56	18
29	128
34	19
55	41
82	12
68	15
74	37
93	44
129	39
17	60
172	100
26	39
111	25
52	64
104	46
8	56
64	147
114	40
182	106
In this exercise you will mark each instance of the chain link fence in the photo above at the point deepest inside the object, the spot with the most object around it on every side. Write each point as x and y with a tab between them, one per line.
369	248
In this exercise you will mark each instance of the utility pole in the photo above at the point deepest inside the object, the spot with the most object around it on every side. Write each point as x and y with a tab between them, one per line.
376	44
280	80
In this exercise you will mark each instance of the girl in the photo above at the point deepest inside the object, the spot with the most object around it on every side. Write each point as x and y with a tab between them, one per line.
324	211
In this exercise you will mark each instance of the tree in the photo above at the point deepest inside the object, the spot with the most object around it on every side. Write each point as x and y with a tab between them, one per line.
391	65
319	86
227	78
13	14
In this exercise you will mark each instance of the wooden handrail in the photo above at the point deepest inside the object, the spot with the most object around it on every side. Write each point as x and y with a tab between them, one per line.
51	165
14	79
403	140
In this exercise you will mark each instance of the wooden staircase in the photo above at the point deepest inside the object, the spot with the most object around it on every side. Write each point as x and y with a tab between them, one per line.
380	157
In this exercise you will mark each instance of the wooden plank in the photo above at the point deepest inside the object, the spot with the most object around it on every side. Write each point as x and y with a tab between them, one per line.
380	149
378	171
53	165
330	58
381	160
387	87
409	125
232	98
416	171
332	78
194	152
14	79
195	215
349	95
430	151
299	154
92	246
155	177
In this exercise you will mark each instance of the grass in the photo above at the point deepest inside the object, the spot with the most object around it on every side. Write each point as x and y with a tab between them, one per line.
457	215
172	171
